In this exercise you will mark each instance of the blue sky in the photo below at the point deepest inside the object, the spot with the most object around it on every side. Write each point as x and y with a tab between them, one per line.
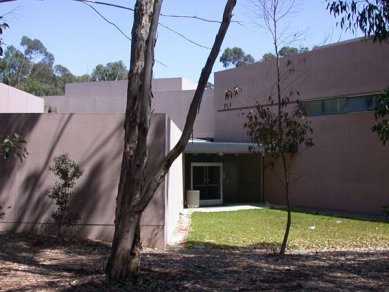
80	39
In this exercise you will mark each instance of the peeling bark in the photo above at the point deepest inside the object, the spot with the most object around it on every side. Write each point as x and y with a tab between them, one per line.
135	190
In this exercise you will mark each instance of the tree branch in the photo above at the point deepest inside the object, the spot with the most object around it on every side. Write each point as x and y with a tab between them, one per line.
152	184
184	37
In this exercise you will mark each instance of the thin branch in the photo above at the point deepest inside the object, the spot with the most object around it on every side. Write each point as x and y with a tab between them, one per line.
181	35
161	14
103	17
104	3
198	18
110	22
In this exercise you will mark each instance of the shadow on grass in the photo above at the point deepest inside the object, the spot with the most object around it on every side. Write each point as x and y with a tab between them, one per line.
266	246
336	214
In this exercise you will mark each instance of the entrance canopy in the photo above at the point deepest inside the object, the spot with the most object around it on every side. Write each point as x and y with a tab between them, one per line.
203	146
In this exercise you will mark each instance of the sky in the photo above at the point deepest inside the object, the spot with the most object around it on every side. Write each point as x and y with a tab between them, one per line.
80	39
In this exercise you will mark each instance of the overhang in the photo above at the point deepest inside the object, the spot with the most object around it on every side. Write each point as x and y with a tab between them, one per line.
203	146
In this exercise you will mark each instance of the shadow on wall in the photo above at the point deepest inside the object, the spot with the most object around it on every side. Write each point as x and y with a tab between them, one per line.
32	203
14	123
95	142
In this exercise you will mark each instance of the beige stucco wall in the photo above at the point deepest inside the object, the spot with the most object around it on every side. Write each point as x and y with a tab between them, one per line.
95	142
176	105
351	68
13	100
171	96
348	168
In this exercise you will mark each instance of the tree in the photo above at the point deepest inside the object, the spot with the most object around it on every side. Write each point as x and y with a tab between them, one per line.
2	27
67	172
30	70
237	57
110	72
369	16
268	57
33	69
280	132
372	18
63	76
284	52
135	188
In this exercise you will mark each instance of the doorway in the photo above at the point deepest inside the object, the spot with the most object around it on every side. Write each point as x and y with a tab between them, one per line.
207	177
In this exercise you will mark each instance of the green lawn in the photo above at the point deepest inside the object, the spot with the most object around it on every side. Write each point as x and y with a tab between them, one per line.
264	228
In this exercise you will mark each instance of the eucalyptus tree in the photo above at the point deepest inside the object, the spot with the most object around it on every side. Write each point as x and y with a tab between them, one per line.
136	189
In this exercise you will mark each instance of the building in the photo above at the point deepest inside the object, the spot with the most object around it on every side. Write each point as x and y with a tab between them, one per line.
347	170
13	100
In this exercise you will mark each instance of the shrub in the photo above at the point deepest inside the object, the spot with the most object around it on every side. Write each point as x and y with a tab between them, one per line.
67	172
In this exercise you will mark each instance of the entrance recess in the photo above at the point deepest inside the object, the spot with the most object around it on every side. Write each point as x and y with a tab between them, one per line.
207	178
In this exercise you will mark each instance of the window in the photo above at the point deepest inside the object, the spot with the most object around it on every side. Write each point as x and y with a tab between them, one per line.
333	106
339	105
360	103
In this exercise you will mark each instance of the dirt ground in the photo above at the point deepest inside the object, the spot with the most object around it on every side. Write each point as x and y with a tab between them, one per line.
37	263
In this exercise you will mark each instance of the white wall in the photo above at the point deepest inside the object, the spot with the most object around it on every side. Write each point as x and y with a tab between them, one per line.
174	184
13	100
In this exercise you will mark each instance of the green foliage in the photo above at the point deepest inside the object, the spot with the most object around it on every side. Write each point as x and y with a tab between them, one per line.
263	229
13	144
268	57
2	27
30	70
284	52
67	172
370	16
210	85
382	116
279	132
110	72
236	57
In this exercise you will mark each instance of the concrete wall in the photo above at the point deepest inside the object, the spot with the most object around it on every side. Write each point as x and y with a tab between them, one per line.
13	100
174	183
346	170
176	105
95	142
171	96
351	68
348	167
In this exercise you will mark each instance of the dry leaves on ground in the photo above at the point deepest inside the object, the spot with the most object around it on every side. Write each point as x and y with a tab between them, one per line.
37	263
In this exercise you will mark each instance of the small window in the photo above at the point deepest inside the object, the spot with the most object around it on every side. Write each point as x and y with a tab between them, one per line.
333	106
340	105
313	108
360	103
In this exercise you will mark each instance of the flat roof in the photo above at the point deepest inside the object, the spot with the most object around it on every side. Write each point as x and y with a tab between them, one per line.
203	146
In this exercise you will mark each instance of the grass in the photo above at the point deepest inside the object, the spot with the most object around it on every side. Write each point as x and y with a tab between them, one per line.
264	228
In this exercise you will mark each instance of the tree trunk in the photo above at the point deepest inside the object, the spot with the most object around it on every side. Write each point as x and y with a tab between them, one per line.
125	253
289	219
135	190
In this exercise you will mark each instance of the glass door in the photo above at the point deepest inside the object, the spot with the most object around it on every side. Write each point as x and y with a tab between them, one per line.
207	178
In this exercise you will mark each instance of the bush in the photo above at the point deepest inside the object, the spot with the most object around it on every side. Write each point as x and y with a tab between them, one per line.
67	172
